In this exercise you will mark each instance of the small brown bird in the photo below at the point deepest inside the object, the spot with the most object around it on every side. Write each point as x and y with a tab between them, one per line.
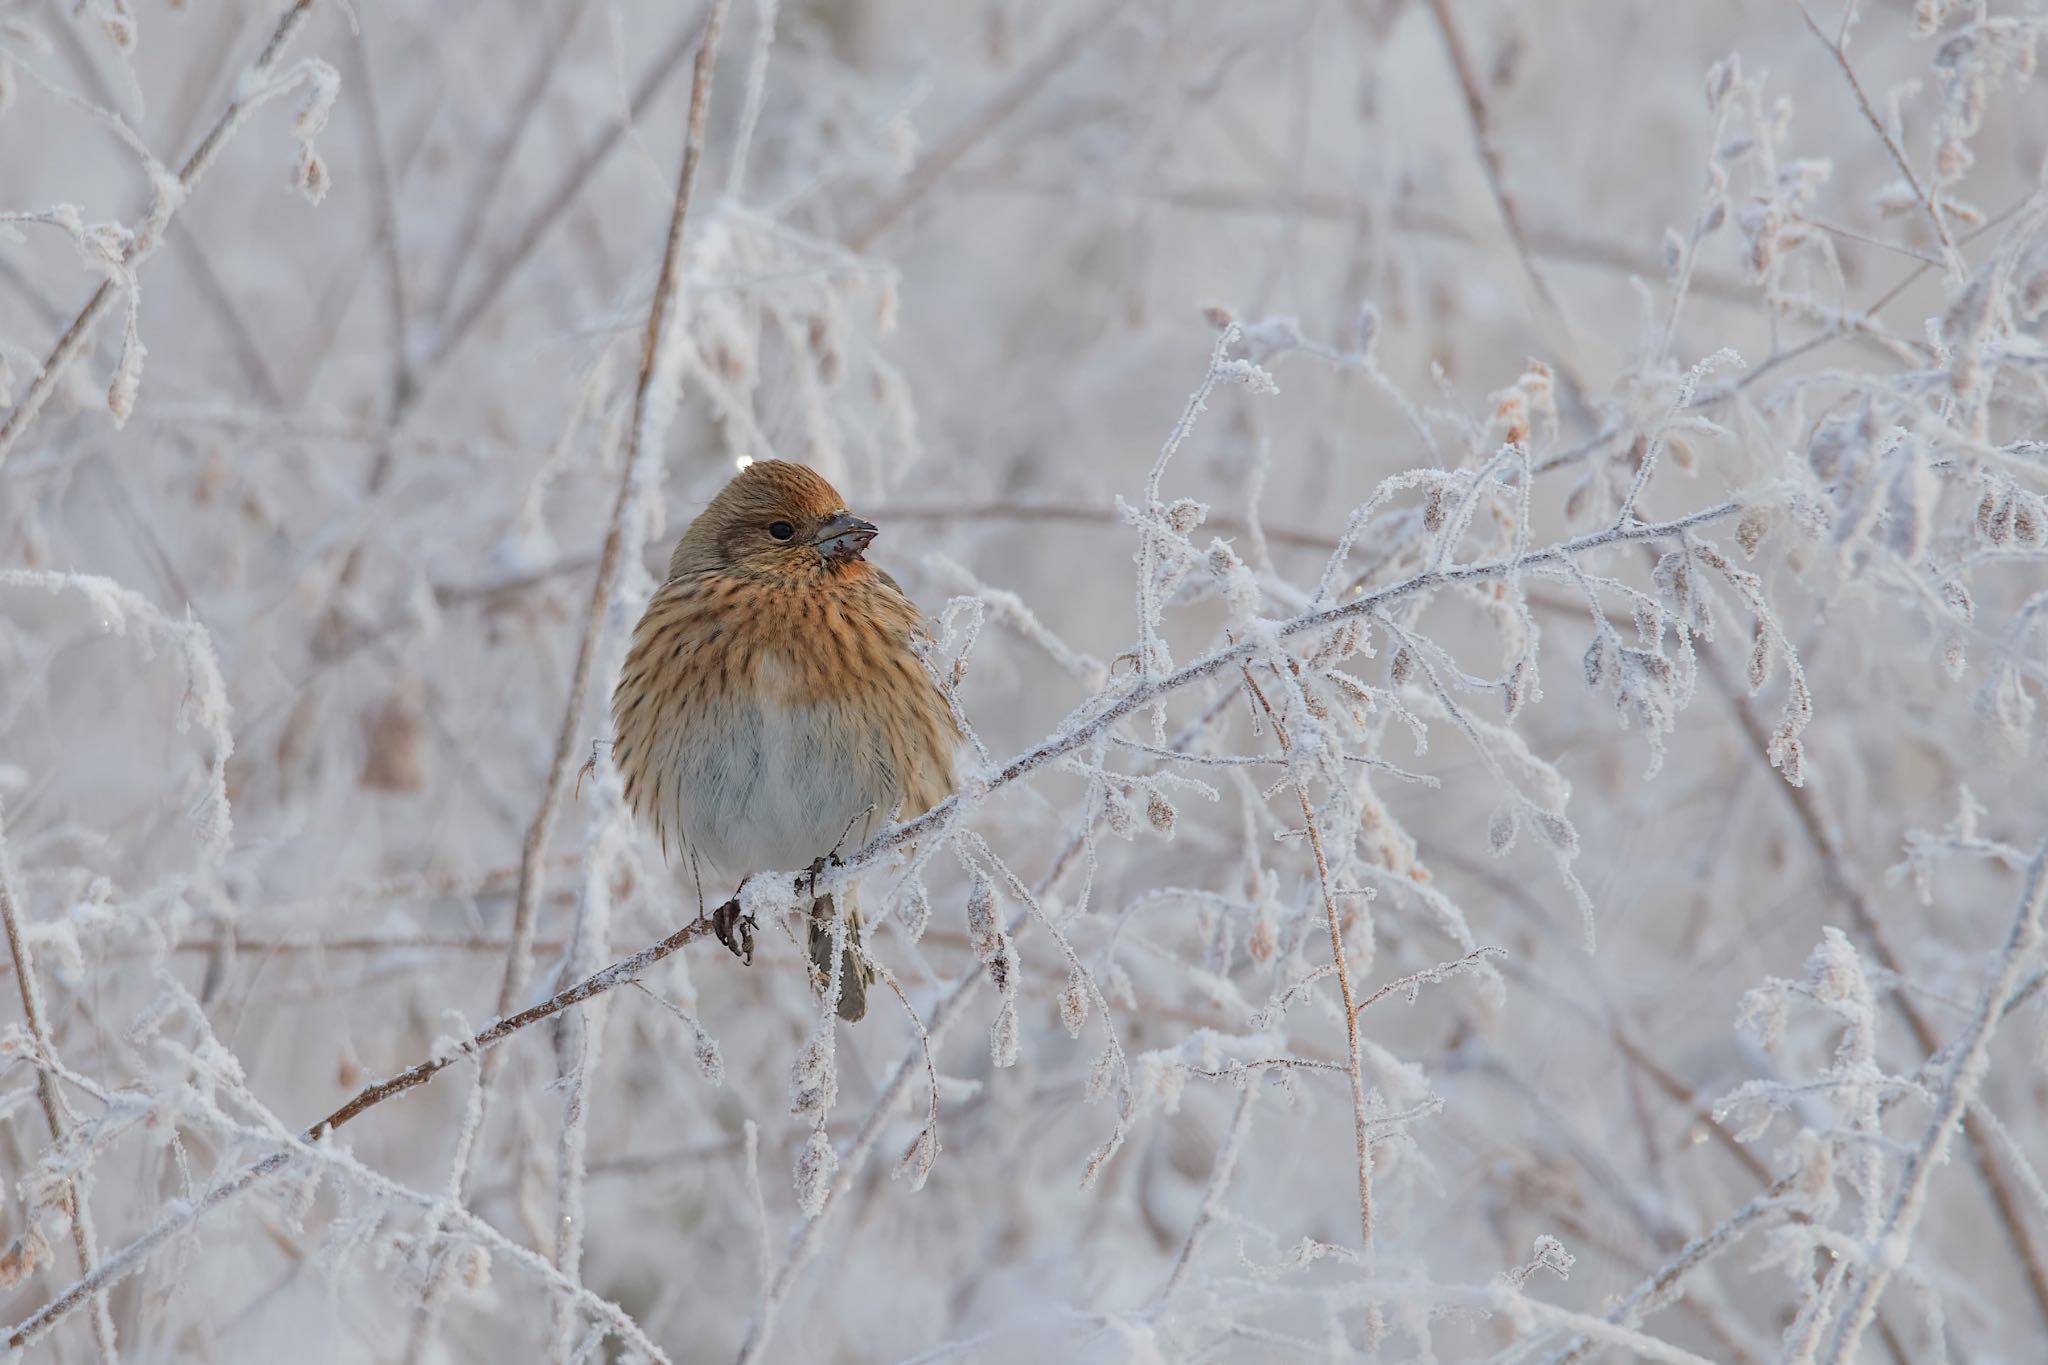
771	706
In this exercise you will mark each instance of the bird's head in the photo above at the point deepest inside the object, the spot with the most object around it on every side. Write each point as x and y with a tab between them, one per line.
774	520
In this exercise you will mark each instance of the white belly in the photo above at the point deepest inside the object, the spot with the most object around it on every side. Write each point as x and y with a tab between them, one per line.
769	789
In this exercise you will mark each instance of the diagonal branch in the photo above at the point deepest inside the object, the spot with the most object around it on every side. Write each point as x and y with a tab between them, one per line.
619	973
1838	49
1495	165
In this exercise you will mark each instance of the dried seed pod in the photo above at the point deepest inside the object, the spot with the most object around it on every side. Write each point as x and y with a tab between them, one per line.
1595	663
1074	1005
1116	813
1751	530
1958	598
982	932
1761	654
1262	945
1003	1043
816	1164
1501	829
1954	658
1101	1076
1160	812
1722	76
1520	688
1368	328
395	738
918	1157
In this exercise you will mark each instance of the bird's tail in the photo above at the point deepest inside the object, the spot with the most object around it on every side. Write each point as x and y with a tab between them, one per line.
855	975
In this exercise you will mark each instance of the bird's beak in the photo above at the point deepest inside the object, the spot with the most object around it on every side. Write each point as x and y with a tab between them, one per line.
844	537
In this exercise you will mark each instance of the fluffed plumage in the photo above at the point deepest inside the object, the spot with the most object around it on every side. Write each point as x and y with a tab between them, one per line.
771	705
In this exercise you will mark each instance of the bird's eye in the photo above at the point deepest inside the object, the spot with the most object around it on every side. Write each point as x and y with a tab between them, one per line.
781	530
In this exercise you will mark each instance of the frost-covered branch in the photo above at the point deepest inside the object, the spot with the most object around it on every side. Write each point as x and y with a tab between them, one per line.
259	84
1886	1247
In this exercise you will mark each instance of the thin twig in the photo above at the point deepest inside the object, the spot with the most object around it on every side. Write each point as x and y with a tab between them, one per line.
643	446
1219	1180
804	1243
1661	1287
496	158
1845	889
76	1190
502	267
1838	49
1430	976
1495	166
617	974
1884	1251
384	202
991	114
1361	1121
1551	244
579	1047
188	244
249	92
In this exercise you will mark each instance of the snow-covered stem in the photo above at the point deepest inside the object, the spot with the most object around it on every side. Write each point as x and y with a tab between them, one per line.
1475	960
1220	1172
1924	195
1232	656
626	969
1884	1252
118	1266
254	88
1149	655
579	1046
1847	889
765	15
653	408
121	611
130	1258
809	1232
1663	1286
183	1214
75	1191
1361	1119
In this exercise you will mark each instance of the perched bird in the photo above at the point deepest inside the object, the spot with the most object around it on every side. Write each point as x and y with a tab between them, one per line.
772	707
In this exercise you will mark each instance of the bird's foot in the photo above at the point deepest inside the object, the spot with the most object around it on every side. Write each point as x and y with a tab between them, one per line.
817	870
735	929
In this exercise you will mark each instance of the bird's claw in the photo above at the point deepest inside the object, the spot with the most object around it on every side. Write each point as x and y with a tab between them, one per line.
817	869
735	929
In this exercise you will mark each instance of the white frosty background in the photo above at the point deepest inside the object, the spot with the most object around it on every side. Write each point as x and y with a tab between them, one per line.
1724	619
